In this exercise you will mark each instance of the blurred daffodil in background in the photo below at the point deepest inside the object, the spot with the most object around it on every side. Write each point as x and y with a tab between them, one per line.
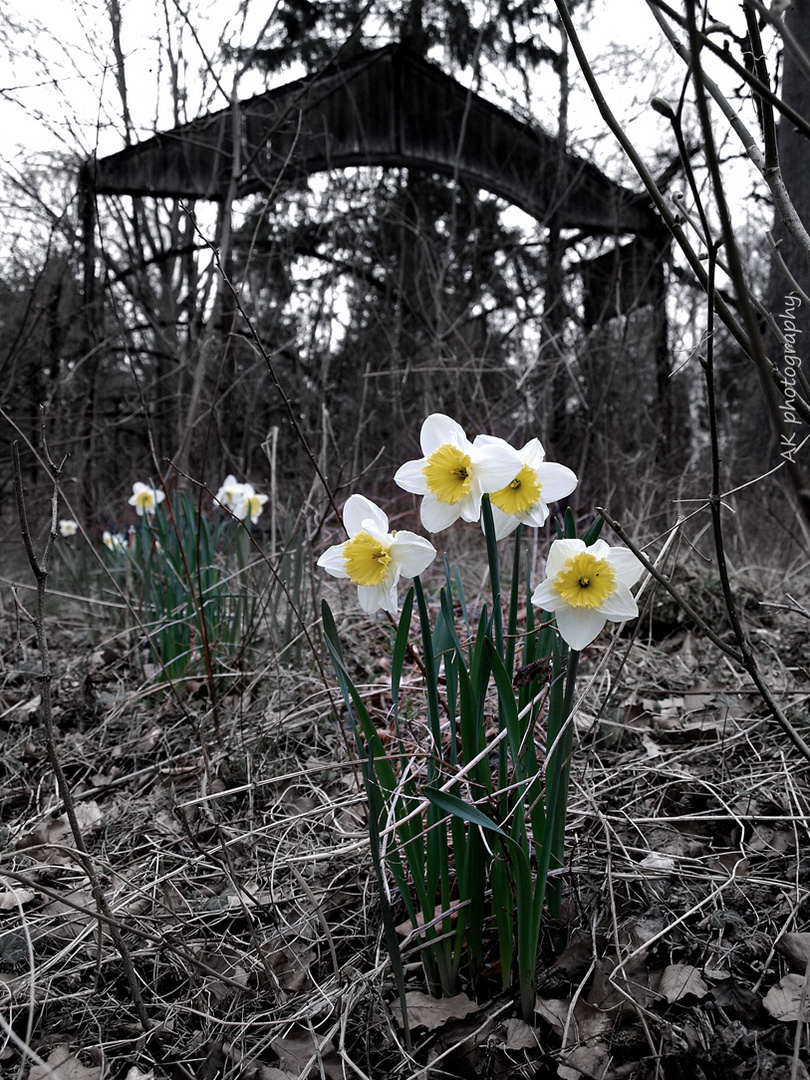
115	541
230	495
253	504
241	499
145	498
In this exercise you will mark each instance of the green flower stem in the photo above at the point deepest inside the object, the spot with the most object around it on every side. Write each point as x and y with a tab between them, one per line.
453	827
497	638
557	780
511	626
429	662
494	573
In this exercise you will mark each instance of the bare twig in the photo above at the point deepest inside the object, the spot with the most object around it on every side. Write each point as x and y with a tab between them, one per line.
39	566
745	656
665	583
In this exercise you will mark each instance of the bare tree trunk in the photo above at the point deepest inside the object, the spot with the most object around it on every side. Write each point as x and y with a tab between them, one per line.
792	315
794	158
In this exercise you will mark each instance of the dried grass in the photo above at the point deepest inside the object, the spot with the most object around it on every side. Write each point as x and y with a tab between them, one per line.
239	872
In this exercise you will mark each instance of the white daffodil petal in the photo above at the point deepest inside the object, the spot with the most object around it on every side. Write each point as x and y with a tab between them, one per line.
487	443
470	508
628	568
412	554
369	597
439	429
436	515
489	440
411	477
230	491
546	598
560	552
374	597
495	466
557	480
620	605
504	523
533	454
358	511
255	506
390	600
579	626
536	515
332	561
601	549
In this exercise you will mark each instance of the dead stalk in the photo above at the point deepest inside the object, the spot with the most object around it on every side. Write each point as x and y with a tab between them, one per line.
39	567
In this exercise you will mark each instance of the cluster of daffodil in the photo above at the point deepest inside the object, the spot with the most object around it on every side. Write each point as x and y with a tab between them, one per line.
113	541
184	572
471	824
242	500
117	542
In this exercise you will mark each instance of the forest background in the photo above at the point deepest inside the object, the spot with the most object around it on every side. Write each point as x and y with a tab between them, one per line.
379	294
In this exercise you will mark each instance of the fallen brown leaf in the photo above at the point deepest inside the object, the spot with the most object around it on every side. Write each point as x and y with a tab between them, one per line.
67	922
300	1055
518	1035
584	1052
796	950
88	815
430	1012
784	1000
681	980
11	898
62	1066
291	964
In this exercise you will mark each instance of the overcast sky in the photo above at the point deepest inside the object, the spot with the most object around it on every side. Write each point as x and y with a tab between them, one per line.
59	94
58	87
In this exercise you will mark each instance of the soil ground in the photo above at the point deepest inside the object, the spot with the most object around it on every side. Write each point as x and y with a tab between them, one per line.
231	844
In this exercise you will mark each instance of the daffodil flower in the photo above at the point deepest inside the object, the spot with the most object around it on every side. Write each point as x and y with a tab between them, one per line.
455	473
114	541
232	496
145	498
253	504
241	499
373	558
586	586
68	527
524	500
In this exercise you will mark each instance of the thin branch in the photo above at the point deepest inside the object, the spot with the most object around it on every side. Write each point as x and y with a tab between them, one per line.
40	571
666	584
761	88
661	205
769	384
745	656
784	31
772	175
